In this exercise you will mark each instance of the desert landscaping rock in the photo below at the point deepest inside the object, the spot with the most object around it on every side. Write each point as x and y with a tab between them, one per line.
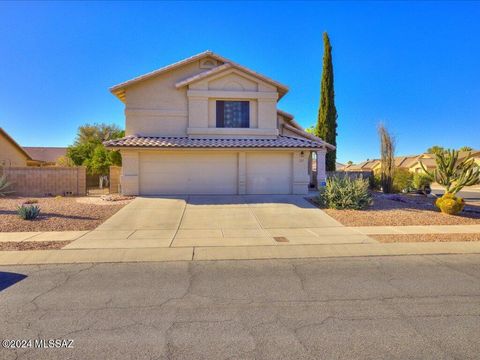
32	245
384	238
57	214
413	210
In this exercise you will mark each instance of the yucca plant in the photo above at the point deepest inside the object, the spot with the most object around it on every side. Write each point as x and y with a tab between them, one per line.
28	212
453	174
4	185
345	193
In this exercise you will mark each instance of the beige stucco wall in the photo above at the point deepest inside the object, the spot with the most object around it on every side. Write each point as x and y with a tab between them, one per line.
10	155
155	107
299	176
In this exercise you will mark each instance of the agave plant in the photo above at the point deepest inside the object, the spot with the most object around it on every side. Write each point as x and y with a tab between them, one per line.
4	185
28	212
453	174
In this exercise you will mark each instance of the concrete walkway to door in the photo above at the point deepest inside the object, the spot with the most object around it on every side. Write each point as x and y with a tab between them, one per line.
212	221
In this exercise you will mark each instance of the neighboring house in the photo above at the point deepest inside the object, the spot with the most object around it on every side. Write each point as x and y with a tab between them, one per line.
369	165
45	156
14	155
11	154
338	166
206	125
428	161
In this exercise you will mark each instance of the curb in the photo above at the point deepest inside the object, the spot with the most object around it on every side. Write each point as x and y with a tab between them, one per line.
75	256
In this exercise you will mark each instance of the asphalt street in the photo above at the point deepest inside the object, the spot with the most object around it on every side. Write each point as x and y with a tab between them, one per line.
402	307
469	196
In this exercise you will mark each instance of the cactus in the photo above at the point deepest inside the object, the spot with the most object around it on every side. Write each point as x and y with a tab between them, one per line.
453	174
387	149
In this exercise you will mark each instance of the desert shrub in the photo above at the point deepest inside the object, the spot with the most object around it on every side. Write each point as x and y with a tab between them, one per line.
450	204
421	181
344	193
402	180
4	186
28	212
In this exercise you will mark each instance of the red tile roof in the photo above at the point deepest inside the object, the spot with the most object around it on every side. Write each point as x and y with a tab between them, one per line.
185	142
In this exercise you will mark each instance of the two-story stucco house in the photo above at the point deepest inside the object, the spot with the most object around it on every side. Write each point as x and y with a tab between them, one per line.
206	125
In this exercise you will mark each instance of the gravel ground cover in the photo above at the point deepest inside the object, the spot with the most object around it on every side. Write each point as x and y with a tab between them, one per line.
400	210
32	245
57	214
425	237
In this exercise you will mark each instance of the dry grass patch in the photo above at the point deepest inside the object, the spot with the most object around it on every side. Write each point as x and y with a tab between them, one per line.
57	214
425	237
32	245
401	210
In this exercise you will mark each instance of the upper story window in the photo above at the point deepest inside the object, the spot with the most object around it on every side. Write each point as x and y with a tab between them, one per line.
233	114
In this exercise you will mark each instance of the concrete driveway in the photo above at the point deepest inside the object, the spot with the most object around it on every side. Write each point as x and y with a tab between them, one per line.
218	221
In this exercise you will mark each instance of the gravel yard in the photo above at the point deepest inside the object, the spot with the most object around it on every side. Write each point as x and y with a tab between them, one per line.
32	245
400	209
57	214
425	237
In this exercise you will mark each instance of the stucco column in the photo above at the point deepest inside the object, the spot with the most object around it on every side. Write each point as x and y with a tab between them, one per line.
321	173
242	173
130	168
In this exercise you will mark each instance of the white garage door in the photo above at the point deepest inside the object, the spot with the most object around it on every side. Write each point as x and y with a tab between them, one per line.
269	173
192	172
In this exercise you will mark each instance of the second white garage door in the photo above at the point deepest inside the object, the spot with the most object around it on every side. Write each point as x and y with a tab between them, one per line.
269	173
193	172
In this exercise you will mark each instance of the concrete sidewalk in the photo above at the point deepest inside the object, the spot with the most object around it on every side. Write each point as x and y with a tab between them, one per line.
228	237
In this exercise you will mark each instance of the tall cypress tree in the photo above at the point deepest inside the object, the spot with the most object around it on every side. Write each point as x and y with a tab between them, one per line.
327	113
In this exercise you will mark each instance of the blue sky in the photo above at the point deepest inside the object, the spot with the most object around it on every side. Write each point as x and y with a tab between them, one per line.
414	66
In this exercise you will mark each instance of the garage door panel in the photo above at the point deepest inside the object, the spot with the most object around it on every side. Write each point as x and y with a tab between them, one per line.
188	173
269	173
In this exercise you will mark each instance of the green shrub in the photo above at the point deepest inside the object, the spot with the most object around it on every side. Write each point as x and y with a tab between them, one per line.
402	180
344	193
450	204
28	212
421	181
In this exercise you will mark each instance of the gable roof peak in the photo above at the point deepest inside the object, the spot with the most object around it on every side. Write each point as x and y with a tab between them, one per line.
119	89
